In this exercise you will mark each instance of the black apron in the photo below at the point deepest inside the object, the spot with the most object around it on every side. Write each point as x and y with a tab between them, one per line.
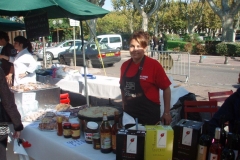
136	103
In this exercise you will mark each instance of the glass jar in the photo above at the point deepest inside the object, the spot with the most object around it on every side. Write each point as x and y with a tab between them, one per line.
67	133
96	141
75	129
92	127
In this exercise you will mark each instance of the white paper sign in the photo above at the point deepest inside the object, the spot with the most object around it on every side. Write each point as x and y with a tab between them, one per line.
66	114
28	98
74	143
187	136
131	144
73	22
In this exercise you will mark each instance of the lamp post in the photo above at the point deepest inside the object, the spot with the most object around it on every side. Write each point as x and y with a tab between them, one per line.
57	23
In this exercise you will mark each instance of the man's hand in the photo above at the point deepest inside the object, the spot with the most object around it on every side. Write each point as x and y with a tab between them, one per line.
166	118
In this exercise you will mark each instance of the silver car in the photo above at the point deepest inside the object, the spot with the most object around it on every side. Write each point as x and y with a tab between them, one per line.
52	52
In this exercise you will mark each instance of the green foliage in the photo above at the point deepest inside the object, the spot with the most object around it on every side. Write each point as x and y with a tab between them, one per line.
228	49
222	49
199	49
210	47
174	44
192	38
173	37
188	47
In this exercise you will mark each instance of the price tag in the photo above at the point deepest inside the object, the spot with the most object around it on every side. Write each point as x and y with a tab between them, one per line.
66	114
28	98
74	143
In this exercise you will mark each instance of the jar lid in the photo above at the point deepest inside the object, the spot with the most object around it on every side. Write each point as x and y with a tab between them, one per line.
92	125
67	124
75	125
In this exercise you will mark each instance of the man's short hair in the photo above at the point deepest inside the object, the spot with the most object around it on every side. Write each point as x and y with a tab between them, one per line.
4	35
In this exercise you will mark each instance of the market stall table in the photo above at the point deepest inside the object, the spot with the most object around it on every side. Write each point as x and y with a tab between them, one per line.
46	145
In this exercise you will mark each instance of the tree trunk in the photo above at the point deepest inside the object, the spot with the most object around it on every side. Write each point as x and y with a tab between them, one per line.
145	21
228	30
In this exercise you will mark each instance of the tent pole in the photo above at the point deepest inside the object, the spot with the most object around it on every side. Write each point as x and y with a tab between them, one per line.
44	54
84	64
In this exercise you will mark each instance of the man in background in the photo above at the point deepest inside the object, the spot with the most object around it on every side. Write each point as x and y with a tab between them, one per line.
7	50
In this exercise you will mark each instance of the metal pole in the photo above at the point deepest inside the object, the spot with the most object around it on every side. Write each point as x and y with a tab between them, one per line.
74	51
84	65
57	35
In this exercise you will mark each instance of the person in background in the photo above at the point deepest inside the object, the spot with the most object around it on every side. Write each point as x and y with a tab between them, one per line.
161	43
8	103
24	62
7	49
154	46
140	81
230	109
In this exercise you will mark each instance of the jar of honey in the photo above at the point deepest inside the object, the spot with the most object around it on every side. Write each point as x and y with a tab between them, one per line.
67	133
75	129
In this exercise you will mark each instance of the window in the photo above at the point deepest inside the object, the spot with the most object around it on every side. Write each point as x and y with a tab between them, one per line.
115	39
104	40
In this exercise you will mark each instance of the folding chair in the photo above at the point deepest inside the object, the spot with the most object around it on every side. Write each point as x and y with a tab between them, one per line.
200	106
219	96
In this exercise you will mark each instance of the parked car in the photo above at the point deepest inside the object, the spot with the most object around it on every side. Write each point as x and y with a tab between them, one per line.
52	52
112	40
109	55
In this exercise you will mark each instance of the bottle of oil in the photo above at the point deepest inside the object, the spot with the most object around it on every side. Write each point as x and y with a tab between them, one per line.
115	127
105	135
204	143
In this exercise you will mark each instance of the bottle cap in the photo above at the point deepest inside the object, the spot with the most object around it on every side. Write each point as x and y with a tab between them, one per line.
75	125
92	125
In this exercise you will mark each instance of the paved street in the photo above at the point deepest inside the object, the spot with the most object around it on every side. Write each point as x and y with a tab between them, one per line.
211	75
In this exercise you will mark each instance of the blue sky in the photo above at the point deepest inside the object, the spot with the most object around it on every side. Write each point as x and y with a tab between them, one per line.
108	5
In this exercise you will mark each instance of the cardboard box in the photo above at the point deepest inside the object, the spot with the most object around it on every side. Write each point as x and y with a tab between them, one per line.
130	145
186	136
158	142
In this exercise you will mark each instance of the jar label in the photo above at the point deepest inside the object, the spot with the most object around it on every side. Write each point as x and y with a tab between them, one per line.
75	133
88	137
202	152
67	132
105	140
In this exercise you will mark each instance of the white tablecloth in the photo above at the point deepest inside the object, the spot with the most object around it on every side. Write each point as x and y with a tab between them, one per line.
49	146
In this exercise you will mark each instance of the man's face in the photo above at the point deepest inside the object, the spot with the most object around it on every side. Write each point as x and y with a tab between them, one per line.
1	42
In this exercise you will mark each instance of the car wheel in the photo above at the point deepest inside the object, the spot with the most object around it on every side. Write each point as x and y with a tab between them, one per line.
119	49
49	56
62	60
110	65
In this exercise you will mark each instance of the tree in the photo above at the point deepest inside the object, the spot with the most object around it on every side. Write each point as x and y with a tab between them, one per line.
126	8
192	9
92	23
226	12
146	8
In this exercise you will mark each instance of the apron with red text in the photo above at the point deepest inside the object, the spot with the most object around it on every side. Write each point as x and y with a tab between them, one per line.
136	103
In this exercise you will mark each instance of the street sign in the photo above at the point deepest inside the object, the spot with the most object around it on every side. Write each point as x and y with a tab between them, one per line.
73	22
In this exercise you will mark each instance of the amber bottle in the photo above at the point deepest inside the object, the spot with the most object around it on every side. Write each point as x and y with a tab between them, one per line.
105	135
59	126
115	127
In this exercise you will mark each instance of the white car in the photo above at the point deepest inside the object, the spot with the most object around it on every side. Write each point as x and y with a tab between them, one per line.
52	52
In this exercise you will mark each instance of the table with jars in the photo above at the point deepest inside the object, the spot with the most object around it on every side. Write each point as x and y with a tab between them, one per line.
72	139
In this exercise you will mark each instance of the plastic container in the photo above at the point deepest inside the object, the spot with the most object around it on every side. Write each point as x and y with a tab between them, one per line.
92	127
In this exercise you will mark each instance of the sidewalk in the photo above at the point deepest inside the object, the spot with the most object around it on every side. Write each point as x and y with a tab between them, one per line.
200	91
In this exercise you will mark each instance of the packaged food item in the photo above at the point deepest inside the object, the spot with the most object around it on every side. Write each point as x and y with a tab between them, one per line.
105	135
75	129
92	127
96	141
67	133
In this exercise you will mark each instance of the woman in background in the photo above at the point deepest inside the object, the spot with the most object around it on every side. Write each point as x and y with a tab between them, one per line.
24	62
140	81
